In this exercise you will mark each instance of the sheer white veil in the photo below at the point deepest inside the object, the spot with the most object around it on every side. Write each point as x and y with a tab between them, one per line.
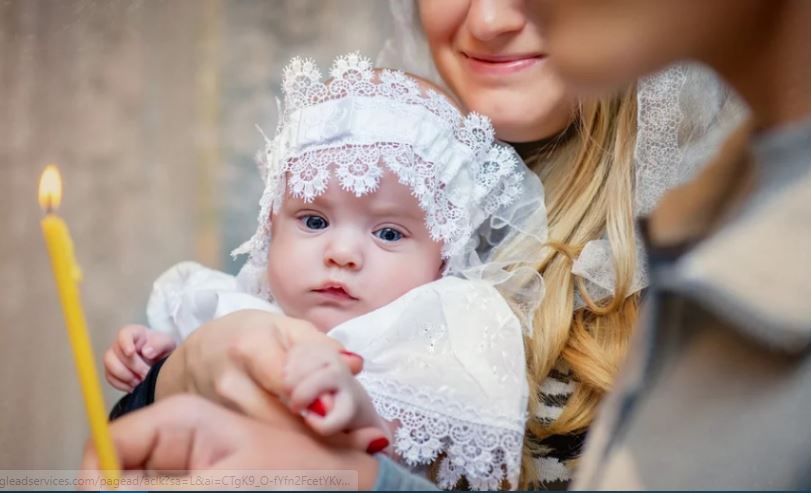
684	114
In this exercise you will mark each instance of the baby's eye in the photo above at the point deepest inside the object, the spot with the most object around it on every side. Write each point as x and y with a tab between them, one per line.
314	222
388	234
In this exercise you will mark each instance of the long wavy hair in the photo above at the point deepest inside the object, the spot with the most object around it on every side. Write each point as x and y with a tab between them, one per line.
588	180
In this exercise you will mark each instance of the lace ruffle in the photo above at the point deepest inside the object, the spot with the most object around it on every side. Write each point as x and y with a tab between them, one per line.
484	454
684	113
362	120
450	215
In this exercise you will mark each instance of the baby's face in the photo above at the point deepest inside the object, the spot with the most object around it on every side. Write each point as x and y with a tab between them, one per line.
341	256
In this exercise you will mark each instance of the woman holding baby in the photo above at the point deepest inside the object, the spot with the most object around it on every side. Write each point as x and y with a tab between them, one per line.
598	177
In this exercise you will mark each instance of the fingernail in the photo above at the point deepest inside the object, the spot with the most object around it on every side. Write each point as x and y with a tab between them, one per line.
377	445
351	354
318	407
149	351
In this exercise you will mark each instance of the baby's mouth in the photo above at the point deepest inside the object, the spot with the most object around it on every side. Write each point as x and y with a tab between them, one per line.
335	291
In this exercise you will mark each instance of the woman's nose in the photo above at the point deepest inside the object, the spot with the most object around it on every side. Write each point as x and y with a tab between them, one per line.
489	19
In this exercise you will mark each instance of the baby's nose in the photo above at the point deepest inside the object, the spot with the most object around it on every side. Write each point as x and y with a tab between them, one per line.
344	253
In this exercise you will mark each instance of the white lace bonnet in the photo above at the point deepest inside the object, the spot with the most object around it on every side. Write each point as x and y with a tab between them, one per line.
684	114
475	191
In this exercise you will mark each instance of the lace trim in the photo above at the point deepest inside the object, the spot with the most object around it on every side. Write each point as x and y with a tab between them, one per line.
450	217
361	118
683	115
485	454
658	152
353	76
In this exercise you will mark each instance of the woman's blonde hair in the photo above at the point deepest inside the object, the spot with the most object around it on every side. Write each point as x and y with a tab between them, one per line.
589	188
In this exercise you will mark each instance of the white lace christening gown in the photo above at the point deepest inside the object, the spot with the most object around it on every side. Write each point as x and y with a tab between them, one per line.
444	362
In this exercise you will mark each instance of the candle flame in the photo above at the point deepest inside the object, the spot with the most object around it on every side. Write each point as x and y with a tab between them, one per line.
50	188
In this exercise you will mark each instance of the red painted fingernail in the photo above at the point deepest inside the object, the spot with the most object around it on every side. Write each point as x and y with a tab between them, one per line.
351	354
377	445
318	407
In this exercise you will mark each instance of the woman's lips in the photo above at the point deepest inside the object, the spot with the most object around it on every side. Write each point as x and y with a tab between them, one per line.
501	65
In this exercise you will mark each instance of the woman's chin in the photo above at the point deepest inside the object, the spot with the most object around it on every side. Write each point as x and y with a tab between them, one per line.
529	128
517	117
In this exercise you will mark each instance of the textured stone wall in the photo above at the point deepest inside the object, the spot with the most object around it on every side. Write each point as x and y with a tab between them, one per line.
149	109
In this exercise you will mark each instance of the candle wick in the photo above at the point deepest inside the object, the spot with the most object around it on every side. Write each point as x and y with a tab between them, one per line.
49	206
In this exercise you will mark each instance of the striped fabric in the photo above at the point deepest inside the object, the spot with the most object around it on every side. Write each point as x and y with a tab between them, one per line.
552	454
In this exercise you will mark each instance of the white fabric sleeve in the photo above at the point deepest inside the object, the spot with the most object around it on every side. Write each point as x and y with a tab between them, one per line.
445	363
188	295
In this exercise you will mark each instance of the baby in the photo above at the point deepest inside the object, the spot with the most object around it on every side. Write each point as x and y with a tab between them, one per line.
383	213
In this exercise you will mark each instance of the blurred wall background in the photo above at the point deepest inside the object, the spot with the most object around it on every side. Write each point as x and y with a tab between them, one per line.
148	107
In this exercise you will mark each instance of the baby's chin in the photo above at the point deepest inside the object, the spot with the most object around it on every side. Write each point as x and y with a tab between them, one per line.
326	320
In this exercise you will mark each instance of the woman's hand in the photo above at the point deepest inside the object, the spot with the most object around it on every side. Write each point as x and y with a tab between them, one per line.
185	434
238	360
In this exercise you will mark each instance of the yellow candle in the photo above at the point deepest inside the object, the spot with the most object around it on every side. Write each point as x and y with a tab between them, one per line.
67	274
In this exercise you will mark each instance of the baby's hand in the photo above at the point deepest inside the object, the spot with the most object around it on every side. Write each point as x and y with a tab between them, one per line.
319	384
133	353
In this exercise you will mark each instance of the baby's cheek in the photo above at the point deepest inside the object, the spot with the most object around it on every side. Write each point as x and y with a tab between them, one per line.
280	283
405	279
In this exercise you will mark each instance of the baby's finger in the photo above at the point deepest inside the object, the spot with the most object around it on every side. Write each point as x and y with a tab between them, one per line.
321	382
134	363
117	369
305	332
304	360
157	345
127	337
353	360
117	383
140	337
138	366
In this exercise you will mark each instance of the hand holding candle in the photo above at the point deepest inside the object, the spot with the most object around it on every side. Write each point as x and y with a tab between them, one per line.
67	274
